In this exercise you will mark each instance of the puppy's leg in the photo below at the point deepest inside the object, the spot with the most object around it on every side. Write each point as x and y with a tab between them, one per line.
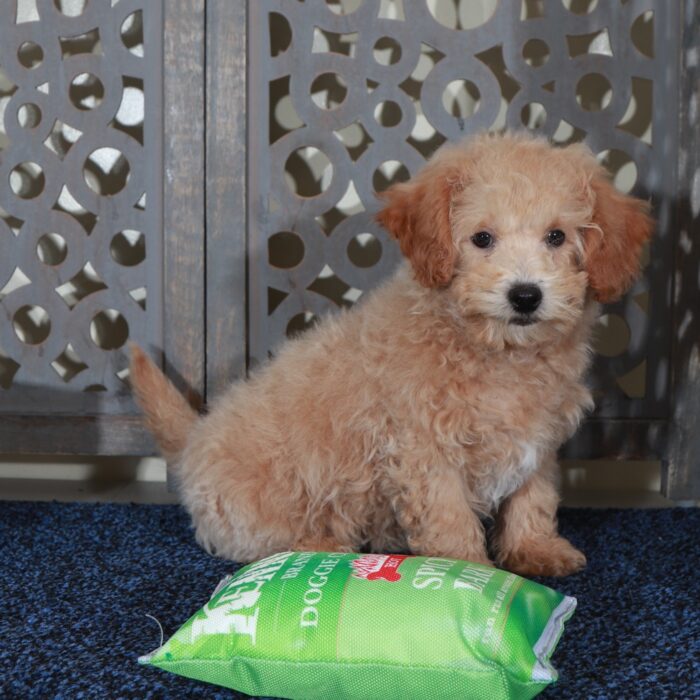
527	542
432	508
330	528
320	543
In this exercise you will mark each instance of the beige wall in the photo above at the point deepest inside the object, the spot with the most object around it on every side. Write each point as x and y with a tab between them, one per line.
144	480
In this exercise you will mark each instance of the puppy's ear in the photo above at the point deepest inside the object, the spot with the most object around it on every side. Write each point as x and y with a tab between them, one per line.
417	213
613	245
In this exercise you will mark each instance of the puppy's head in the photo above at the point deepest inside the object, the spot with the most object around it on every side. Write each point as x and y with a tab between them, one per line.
518	234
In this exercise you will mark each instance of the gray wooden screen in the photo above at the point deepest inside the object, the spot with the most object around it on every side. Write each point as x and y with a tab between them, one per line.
360	85
84	265
267	128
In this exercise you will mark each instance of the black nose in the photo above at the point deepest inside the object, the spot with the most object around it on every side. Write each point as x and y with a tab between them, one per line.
525	298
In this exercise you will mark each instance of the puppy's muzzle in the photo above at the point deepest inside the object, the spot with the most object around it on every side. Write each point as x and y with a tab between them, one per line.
524	299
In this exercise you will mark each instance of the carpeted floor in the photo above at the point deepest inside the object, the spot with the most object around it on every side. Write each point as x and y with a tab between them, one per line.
77	580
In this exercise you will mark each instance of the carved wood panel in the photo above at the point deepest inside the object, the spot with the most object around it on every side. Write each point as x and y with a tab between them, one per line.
102	226
80	201
350	96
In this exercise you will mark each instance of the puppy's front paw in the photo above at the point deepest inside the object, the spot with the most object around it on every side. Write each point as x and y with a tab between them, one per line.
554	556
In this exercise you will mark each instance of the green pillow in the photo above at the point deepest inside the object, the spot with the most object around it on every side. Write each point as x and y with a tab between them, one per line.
328	625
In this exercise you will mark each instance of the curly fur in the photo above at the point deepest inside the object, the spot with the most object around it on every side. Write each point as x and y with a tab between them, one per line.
399	423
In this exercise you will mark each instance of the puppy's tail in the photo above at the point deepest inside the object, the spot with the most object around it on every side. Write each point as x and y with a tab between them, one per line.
168	415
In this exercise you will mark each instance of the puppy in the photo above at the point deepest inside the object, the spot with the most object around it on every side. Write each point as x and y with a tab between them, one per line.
439	399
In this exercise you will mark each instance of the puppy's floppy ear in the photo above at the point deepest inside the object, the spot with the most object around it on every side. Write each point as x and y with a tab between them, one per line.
612	253
417	213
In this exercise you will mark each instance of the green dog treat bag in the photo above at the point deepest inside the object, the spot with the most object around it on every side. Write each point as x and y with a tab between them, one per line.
364	626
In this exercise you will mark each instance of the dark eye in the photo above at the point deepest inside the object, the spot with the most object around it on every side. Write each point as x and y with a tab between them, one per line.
555	238
482	239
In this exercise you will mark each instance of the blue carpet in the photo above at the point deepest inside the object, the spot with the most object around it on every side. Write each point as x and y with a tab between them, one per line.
77	580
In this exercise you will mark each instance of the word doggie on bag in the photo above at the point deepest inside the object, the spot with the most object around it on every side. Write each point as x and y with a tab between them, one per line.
364	626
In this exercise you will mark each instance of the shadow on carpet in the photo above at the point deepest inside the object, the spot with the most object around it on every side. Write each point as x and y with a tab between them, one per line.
77	581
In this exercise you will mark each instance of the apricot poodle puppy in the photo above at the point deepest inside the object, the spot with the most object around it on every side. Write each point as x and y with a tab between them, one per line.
440	398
